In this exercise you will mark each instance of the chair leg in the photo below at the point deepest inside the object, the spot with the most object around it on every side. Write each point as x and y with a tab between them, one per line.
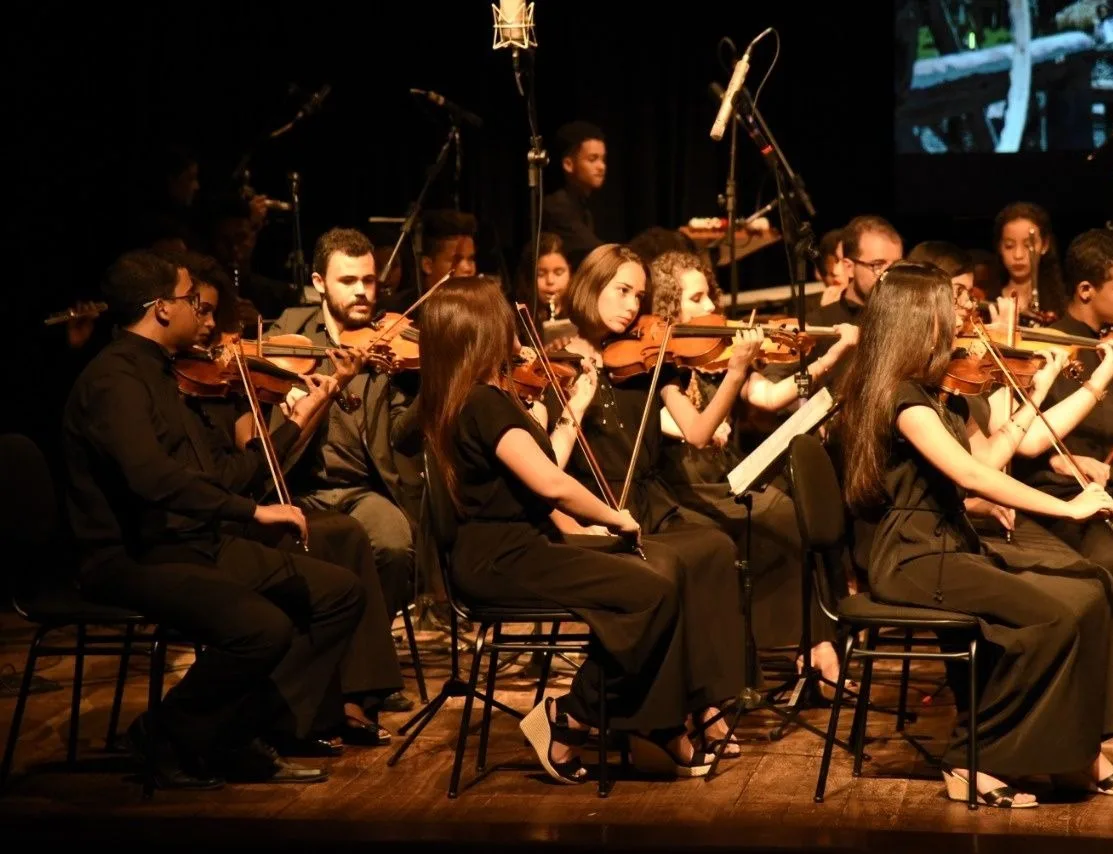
485	729
415	655
905	671
861	711
75	702
118	697
465	719
833	723
972	745
21	703
546	666
154	704
604	781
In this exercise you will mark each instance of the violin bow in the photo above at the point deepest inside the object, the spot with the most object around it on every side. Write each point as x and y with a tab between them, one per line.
550	375
417	303
661	353
1056	442
264	436
596	470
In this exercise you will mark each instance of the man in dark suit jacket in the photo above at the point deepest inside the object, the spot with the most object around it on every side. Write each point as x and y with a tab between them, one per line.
583	159
350	464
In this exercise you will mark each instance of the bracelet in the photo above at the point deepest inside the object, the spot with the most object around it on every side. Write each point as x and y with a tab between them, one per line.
1099	394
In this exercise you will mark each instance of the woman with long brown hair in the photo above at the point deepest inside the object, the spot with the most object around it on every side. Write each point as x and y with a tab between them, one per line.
909	461
684	289
499	467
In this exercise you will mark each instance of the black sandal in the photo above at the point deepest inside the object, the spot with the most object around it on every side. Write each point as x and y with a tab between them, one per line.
543	730
1003	797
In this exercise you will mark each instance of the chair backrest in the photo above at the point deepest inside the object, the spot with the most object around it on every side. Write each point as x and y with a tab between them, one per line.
820	514
28	501
438	514
30	522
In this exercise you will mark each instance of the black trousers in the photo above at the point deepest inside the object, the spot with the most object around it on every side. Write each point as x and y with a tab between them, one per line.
369	666
274	623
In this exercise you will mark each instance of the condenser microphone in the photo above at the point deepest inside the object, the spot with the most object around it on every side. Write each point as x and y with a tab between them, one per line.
726	107
513	25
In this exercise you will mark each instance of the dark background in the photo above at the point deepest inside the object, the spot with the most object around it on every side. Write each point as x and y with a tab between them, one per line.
94	89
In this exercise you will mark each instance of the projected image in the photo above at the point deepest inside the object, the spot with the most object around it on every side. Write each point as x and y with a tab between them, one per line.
1003	75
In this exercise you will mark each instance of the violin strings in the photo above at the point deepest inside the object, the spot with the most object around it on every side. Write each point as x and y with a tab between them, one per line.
550	375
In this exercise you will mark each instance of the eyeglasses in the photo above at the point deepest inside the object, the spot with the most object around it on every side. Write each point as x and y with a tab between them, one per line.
194	300
876	267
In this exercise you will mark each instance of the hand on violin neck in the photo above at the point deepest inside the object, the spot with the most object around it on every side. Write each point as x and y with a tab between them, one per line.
745	348
346	364
583	390
320	390
1055	360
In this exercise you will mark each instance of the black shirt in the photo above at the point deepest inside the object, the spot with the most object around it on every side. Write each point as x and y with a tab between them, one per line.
1091	438
487	490
566	214
141	470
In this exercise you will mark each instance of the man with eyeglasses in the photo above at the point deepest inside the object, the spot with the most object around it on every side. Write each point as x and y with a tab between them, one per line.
146	507
871	245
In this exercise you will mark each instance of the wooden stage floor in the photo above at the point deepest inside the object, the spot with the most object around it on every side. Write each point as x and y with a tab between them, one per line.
760	802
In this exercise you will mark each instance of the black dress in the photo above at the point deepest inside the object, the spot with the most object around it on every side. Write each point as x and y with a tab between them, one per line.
705	554
1042	703
508	552
698	478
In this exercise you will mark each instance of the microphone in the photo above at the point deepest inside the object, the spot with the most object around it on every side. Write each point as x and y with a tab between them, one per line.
455	109
314	102
513	25
718	92
726	107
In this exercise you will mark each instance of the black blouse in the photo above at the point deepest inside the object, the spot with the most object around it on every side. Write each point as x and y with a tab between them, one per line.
487	490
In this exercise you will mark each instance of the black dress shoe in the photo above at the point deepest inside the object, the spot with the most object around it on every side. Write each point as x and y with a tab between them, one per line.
310	746
397	702
360	734
169	773
258	762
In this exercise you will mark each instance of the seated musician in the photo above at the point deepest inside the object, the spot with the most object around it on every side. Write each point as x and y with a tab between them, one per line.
1013	229
349	464
683	289
908	461
369	669
831	270
1089	280
146	505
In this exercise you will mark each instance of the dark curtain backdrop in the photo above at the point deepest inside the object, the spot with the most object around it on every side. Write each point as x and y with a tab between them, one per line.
91	90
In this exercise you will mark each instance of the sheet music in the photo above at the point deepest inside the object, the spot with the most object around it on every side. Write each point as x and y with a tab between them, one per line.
803	420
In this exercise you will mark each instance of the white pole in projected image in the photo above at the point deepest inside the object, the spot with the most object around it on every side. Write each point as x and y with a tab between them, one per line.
1020	79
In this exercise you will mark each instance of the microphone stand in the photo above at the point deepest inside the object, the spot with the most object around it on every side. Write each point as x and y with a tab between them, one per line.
537	159
298	269
415	208
730	197
795	207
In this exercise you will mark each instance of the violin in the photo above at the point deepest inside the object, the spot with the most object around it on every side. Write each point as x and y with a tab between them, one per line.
211	374
703	344
530	379
973	372
390	343
1036	339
